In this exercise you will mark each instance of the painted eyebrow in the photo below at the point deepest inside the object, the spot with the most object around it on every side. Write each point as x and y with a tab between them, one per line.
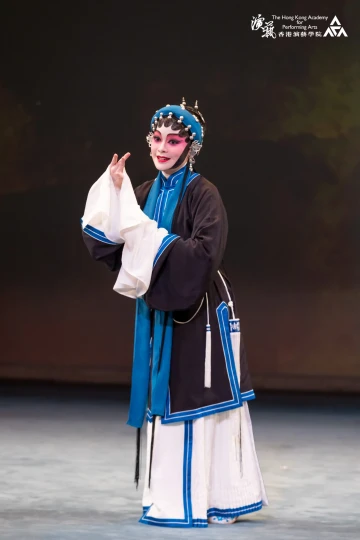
168	135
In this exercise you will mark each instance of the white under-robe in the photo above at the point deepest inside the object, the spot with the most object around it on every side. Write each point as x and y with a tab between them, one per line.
200	469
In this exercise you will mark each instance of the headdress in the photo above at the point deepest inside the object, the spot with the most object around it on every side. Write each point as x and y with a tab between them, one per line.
189	121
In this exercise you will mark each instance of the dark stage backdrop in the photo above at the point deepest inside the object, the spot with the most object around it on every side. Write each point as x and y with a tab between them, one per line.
81	82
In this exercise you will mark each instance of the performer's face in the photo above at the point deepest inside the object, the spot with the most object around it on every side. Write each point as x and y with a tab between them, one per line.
166	148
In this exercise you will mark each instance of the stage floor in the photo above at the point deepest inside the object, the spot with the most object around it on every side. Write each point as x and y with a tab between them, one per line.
67	467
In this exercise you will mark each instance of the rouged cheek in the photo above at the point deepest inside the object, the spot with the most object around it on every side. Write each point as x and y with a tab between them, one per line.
179	148
154	147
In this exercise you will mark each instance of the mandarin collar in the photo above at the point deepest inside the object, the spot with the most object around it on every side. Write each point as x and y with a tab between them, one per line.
173	178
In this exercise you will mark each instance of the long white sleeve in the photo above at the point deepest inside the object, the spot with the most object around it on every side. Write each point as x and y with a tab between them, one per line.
114	216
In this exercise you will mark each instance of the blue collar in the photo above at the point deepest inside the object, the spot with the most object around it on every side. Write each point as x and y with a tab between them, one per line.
173	178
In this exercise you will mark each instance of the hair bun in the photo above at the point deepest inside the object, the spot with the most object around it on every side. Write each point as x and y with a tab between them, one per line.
198	115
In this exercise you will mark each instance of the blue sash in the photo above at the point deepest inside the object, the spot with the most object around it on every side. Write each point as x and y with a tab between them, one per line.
162	328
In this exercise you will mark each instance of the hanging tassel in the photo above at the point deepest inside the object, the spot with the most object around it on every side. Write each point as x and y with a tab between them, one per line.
137	461
207	382
152	446
208	357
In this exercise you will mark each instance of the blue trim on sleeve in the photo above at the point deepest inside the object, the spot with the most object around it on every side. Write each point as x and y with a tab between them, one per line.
97	234
164	244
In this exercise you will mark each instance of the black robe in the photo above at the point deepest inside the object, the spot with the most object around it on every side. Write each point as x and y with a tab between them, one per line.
186	269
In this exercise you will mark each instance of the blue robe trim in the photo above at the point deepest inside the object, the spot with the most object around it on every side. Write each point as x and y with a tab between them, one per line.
229	513
236	401
164	244
248	396
188	520
97	234
245	396
235	512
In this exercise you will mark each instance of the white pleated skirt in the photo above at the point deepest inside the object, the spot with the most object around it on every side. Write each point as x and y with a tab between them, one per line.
206	467
202	468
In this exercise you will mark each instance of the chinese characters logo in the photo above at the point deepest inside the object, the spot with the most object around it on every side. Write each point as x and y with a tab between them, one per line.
267	28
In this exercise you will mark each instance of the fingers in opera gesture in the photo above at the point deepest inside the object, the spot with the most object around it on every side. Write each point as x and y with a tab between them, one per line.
117	167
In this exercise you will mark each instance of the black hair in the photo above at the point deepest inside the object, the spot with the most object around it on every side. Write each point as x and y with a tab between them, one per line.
198	115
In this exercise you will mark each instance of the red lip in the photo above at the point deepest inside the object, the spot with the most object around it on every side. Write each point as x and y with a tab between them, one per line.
162	159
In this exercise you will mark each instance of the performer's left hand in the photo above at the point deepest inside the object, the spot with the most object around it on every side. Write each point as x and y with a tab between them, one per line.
117	169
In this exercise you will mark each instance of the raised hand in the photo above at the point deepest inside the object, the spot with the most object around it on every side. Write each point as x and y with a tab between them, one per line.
117	169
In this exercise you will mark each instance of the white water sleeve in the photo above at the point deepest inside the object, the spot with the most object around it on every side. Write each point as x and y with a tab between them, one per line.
117	214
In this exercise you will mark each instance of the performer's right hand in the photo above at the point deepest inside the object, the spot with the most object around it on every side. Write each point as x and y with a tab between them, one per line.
117	169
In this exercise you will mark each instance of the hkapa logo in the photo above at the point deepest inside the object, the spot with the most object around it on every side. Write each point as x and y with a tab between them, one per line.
335	29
